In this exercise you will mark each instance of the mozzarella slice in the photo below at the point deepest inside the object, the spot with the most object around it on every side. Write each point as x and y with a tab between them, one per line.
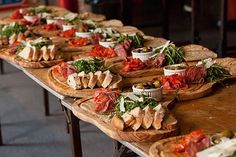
74	81
223	149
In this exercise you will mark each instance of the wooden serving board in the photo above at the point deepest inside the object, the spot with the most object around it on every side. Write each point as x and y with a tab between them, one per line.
58	83
5	56
164	148
84	110
36	65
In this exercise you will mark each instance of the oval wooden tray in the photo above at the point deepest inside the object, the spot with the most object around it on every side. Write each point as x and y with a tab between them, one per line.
36	65
83	109
59	84
163	148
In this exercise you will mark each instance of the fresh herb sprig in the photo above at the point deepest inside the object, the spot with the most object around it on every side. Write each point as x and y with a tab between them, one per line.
173	54
130	104
89	66
20	47
9	30
137	40
216	72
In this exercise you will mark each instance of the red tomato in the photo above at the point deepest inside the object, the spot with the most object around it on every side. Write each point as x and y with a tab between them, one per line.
50	27
25	22
68	33
174	82
100	51
133	65
79	42
179	148
16	15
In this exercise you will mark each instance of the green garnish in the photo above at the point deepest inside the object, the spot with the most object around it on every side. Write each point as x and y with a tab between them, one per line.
216	72
173	54
14	28
89	66
137	40
40	9
130	104
40	42
20	47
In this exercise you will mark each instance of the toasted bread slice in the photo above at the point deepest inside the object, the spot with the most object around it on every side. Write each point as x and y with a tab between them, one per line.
111	23
118	122
52	49
115	82
100	76
195	52
74	81
84	79
148	117
46	53
128	119
158	117
92	80
107	80
36	54
138	113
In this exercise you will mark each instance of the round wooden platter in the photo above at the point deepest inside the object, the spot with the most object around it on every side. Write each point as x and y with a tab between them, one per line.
36	65
84	110
40	31
5	56
118	68
164	148
59	84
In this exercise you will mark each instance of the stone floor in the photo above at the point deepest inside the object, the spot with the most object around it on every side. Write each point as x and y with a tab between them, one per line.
28	133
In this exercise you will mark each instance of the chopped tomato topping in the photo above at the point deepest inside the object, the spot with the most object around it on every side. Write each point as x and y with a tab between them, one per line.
174	82
50	27
16	15
100	51
133	65
79	42
68	33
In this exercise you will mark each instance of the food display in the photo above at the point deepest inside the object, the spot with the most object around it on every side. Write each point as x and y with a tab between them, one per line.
196	144
83	75
127	116
120	79
37	53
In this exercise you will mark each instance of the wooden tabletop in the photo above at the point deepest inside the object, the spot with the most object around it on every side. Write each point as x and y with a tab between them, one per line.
213	113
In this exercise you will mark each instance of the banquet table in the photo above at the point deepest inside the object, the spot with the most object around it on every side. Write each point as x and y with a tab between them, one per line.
212	113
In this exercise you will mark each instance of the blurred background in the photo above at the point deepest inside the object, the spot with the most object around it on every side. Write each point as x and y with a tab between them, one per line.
210	23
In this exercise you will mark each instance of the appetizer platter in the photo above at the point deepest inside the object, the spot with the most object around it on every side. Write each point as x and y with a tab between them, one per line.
79	78
196	144
37	53
10	36
153	61
127	116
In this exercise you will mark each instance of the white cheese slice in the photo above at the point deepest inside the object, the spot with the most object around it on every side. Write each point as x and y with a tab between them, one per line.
122	104
223	149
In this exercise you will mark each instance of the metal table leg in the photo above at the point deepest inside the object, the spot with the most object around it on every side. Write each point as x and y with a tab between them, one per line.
1	142
119	150
75	135
1	67
46	103
223	33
